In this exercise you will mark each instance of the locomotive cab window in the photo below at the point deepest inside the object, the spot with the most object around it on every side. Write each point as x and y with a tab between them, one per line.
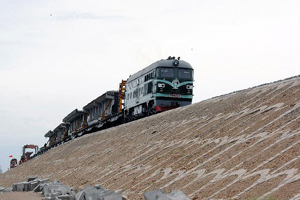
166	72
185	73
153	74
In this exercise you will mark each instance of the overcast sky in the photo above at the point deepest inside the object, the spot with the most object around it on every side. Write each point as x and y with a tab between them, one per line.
58	55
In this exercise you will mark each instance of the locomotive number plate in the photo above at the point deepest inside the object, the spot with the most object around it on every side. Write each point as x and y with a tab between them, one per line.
175	95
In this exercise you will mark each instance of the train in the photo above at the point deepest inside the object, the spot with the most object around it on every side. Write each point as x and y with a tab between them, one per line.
166	84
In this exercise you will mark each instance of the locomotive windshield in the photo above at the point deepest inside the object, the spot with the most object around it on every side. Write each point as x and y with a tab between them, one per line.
184	73
167	72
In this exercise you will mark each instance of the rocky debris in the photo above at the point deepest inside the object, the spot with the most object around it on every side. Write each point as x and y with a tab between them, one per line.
161	195
58	191
151	195
98	193
3	189
31	185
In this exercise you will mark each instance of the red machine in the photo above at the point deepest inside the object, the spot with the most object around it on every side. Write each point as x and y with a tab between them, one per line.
13	163
26	155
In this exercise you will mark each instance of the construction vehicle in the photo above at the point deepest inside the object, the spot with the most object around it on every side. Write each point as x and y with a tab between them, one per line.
13	163
26	155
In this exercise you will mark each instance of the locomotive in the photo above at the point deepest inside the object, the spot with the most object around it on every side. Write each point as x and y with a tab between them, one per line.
164	85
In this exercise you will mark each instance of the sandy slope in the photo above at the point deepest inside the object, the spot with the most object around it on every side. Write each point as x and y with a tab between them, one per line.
20	196
240	145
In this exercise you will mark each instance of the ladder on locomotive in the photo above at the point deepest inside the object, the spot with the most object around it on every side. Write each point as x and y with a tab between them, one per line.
122	90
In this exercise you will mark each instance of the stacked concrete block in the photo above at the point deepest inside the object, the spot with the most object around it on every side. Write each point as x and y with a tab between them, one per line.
33	185
97	193
161	195
110	196
57	190
27	186
37	185
91	192
30	185
152	195
80	195
21	186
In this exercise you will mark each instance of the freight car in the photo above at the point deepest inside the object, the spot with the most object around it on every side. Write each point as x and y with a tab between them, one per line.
164	85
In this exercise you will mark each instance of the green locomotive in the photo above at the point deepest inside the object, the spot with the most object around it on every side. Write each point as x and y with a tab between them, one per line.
164	85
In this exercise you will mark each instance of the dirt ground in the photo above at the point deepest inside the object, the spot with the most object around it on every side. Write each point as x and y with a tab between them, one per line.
20	196
236	146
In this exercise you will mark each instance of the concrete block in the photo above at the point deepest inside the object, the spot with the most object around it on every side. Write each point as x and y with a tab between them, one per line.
2	189
33	184
92	193
8	190
162	197
38	180
54	194
46	190
46	180
112	196
174	195
37	188
98	186
80	196
65	197
152	195
14	187
26	186
31	178
98	193
20	186
73	193
57	189
179	195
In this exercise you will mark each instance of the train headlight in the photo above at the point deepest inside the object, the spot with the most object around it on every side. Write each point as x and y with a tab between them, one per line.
189	87
161	85
176	62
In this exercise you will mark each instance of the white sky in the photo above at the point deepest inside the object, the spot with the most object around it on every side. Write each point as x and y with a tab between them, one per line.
58	55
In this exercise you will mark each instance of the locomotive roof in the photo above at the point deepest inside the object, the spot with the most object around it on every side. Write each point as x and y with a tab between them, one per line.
107	95
73	115
160	63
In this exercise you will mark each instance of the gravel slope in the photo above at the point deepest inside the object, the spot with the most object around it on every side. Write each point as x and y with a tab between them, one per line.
20	196
239	145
